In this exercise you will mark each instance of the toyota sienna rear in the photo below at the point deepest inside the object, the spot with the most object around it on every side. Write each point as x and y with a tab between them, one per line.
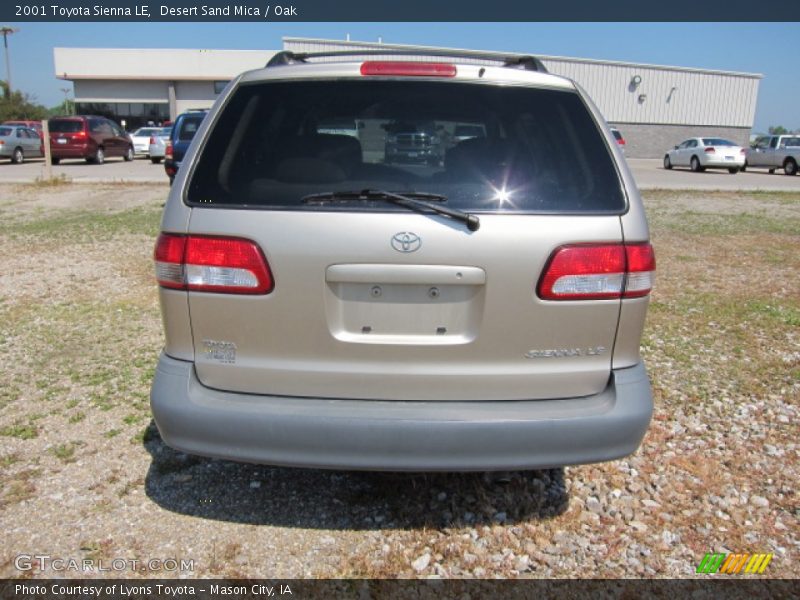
328	306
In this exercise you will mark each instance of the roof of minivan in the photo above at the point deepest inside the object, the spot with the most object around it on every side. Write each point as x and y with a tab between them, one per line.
351	68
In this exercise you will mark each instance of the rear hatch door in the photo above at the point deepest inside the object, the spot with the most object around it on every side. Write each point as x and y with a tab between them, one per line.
376	301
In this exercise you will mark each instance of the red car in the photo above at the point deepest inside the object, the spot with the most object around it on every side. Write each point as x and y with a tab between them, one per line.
90	138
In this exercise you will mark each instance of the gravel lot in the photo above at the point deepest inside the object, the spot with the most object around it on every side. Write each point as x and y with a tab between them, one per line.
84	474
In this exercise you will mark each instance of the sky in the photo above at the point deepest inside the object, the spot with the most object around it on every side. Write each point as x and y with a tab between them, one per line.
745	47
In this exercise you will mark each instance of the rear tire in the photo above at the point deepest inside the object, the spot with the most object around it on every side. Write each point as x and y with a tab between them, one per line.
667	162
54	160
129	155
155	160
99	157
18	157
771	171
733	170
696	166
790	167
744	167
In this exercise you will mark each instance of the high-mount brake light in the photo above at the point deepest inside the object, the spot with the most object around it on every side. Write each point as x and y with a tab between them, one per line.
598	272
212	264
408	69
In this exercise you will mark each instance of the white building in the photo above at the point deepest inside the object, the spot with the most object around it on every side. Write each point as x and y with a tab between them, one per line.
654	106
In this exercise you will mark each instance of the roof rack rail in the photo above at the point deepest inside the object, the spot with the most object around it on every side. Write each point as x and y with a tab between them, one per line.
516	61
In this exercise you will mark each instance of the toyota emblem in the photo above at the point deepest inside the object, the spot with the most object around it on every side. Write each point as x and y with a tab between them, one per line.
405	241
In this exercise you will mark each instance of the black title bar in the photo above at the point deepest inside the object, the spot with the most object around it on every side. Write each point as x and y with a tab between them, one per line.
382	10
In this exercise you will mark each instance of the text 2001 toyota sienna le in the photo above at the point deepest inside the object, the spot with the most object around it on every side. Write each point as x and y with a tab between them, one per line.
325	307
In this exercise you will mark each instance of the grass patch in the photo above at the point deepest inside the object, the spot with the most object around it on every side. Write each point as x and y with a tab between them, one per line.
50	182
21	431
86	226
65	452
77	417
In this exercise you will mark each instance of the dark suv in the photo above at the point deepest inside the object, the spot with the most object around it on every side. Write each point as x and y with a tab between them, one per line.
88	137
183	130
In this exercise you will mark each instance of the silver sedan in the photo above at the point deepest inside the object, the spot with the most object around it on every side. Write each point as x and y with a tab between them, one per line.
158	145
17	143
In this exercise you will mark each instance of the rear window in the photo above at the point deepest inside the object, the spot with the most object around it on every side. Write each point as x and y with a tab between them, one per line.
188	126
59	126
617	135
527	149
717	142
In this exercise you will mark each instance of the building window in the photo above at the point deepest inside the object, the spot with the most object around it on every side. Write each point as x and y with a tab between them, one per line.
131	115
219	86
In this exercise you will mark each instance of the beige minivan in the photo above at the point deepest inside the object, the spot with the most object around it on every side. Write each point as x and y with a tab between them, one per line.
326	307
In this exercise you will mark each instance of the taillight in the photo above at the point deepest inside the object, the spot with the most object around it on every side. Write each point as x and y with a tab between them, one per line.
211	264
710	150
409	69
598	272
168	151
741	151
152	139
621	141
79	135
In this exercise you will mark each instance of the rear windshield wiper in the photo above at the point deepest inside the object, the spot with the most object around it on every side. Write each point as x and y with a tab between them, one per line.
411	200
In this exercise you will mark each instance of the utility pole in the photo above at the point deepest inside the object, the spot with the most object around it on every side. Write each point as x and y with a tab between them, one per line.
66	100
6	31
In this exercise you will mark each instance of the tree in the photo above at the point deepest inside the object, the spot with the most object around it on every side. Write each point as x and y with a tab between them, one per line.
19	106
778	130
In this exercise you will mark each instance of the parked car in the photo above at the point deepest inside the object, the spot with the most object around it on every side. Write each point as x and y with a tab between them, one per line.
183	130
88	137
703	153
157	146
18	143
141	140
620	139
775	152
35	125
323	308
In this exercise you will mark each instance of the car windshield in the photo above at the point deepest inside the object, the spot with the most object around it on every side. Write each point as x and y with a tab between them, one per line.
5	131
717	142
539	149
66	126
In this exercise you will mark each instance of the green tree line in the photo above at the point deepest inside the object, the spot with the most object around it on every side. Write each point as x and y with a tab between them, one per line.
19	106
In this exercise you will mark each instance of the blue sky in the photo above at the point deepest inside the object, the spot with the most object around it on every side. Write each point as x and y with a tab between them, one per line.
748	47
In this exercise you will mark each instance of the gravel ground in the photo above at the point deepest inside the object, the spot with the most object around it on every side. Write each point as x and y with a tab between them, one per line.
84	474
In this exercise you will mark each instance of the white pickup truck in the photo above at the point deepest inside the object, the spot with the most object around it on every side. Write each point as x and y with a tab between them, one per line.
774	152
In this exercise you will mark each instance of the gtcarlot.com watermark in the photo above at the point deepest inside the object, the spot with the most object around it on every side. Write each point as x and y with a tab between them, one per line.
46	562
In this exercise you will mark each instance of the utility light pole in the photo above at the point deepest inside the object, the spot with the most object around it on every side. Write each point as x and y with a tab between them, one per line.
66	100
6	31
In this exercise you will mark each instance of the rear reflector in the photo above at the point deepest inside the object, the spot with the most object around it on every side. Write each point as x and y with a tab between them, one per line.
211	264
408	69
598	272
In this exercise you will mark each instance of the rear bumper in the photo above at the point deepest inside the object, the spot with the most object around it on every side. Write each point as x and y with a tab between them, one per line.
400	436
77	151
